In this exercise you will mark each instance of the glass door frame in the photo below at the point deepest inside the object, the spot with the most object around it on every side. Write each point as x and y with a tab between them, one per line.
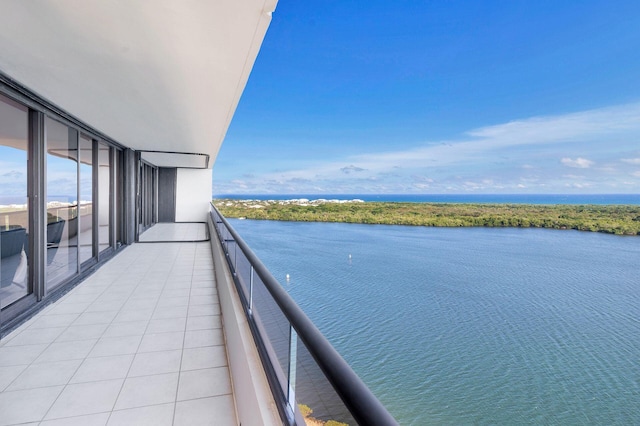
147	196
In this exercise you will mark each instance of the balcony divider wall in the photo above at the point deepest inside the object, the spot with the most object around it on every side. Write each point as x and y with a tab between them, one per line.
65	195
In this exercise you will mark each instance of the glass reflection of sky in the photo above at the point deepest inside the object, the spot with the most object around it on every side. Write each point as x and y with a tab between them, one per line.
62	179
13	175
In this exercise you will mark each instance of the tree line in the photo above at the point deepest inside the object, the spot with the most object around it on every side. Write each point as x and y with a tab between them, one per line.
612	219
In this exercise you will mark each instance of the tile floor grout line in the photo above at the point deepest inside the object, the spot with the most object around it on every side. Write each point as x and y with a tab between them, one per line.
89	352
191	253
38	316
184	337
70	417
83	359
140	343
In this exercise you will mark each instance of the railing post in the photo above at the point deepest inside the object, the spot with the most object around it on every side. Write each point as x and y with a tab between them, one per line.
235	258
251	291
293	356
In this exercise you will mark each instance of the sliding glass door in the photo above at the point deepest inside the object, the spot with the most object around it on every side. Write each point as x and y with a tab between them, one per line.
58	213
62	202
14	212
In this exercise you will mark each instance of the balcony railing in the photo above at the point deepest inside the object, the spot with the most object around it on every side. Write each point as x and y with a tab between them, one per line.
304	370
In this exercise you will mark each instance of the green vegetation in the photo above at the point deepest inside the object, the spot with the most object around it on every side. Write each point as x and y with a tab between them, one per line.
612	219
306	412
51	218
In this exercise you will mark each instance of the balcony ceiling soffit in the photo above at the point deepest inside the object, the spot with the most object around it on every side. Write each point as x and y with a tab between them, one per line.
176	159
161	75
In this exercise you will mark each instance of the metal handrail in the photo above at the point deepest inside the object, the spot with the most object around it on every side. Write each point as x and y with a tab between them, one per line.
363	405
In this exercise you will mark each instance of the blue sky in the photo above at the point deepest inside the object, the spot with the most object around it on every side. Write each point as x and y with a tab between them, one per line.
440	97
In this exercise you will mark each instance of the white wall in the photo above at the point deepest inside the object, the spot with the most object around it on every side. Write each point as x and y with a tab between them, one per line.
193	194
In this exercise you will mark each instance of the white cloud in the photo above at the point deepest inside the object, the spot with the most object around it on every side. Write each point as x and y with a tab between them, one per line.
486	141
421	186
350	169
608	168
472	157
636	174
420	178
578	185
13	174
579	163
631	160
240	183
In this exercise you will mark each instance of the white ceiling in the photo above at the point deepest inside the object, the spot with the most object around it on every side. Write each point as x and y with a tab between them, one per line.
155	75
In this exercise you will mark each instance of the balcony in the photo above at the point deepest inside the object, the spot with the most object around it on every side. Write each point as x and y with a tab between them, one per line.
140	340
143	340
128	331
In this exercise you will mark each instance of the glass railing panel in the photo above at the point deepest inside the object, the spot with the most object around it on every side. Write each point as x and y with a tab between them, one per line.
232	251
243	273
307	384
316	399
274	328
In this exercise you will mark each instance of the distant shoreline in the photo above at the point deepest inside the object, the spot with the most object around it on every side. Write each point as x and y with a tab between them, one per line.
611	219
600	199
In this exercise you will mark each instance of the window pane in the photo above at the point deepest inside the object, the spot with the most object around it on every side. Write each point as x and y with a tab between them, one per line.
62	204
14	218
104	194
86	196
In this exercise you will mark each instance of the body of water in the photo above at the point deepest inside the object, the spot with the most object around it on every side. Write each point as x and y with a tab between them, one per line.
471	325
458	198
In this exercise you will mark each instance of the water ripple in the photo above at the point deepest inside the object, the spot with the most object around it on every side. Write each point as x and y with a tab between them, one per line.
472	326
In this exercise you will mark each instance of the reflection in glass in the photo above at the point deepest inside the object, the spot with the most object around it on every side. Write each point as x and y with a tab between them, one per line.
85	235
62	202
14	217
313	391
104	195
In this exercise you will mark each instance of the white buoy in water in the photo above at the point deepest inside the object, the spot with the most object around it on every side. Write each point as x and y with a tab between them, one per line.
287	277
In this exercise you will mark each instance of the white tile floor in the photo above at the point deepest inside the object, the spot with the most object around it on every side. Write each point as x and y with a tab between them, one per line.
138	342
176	232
